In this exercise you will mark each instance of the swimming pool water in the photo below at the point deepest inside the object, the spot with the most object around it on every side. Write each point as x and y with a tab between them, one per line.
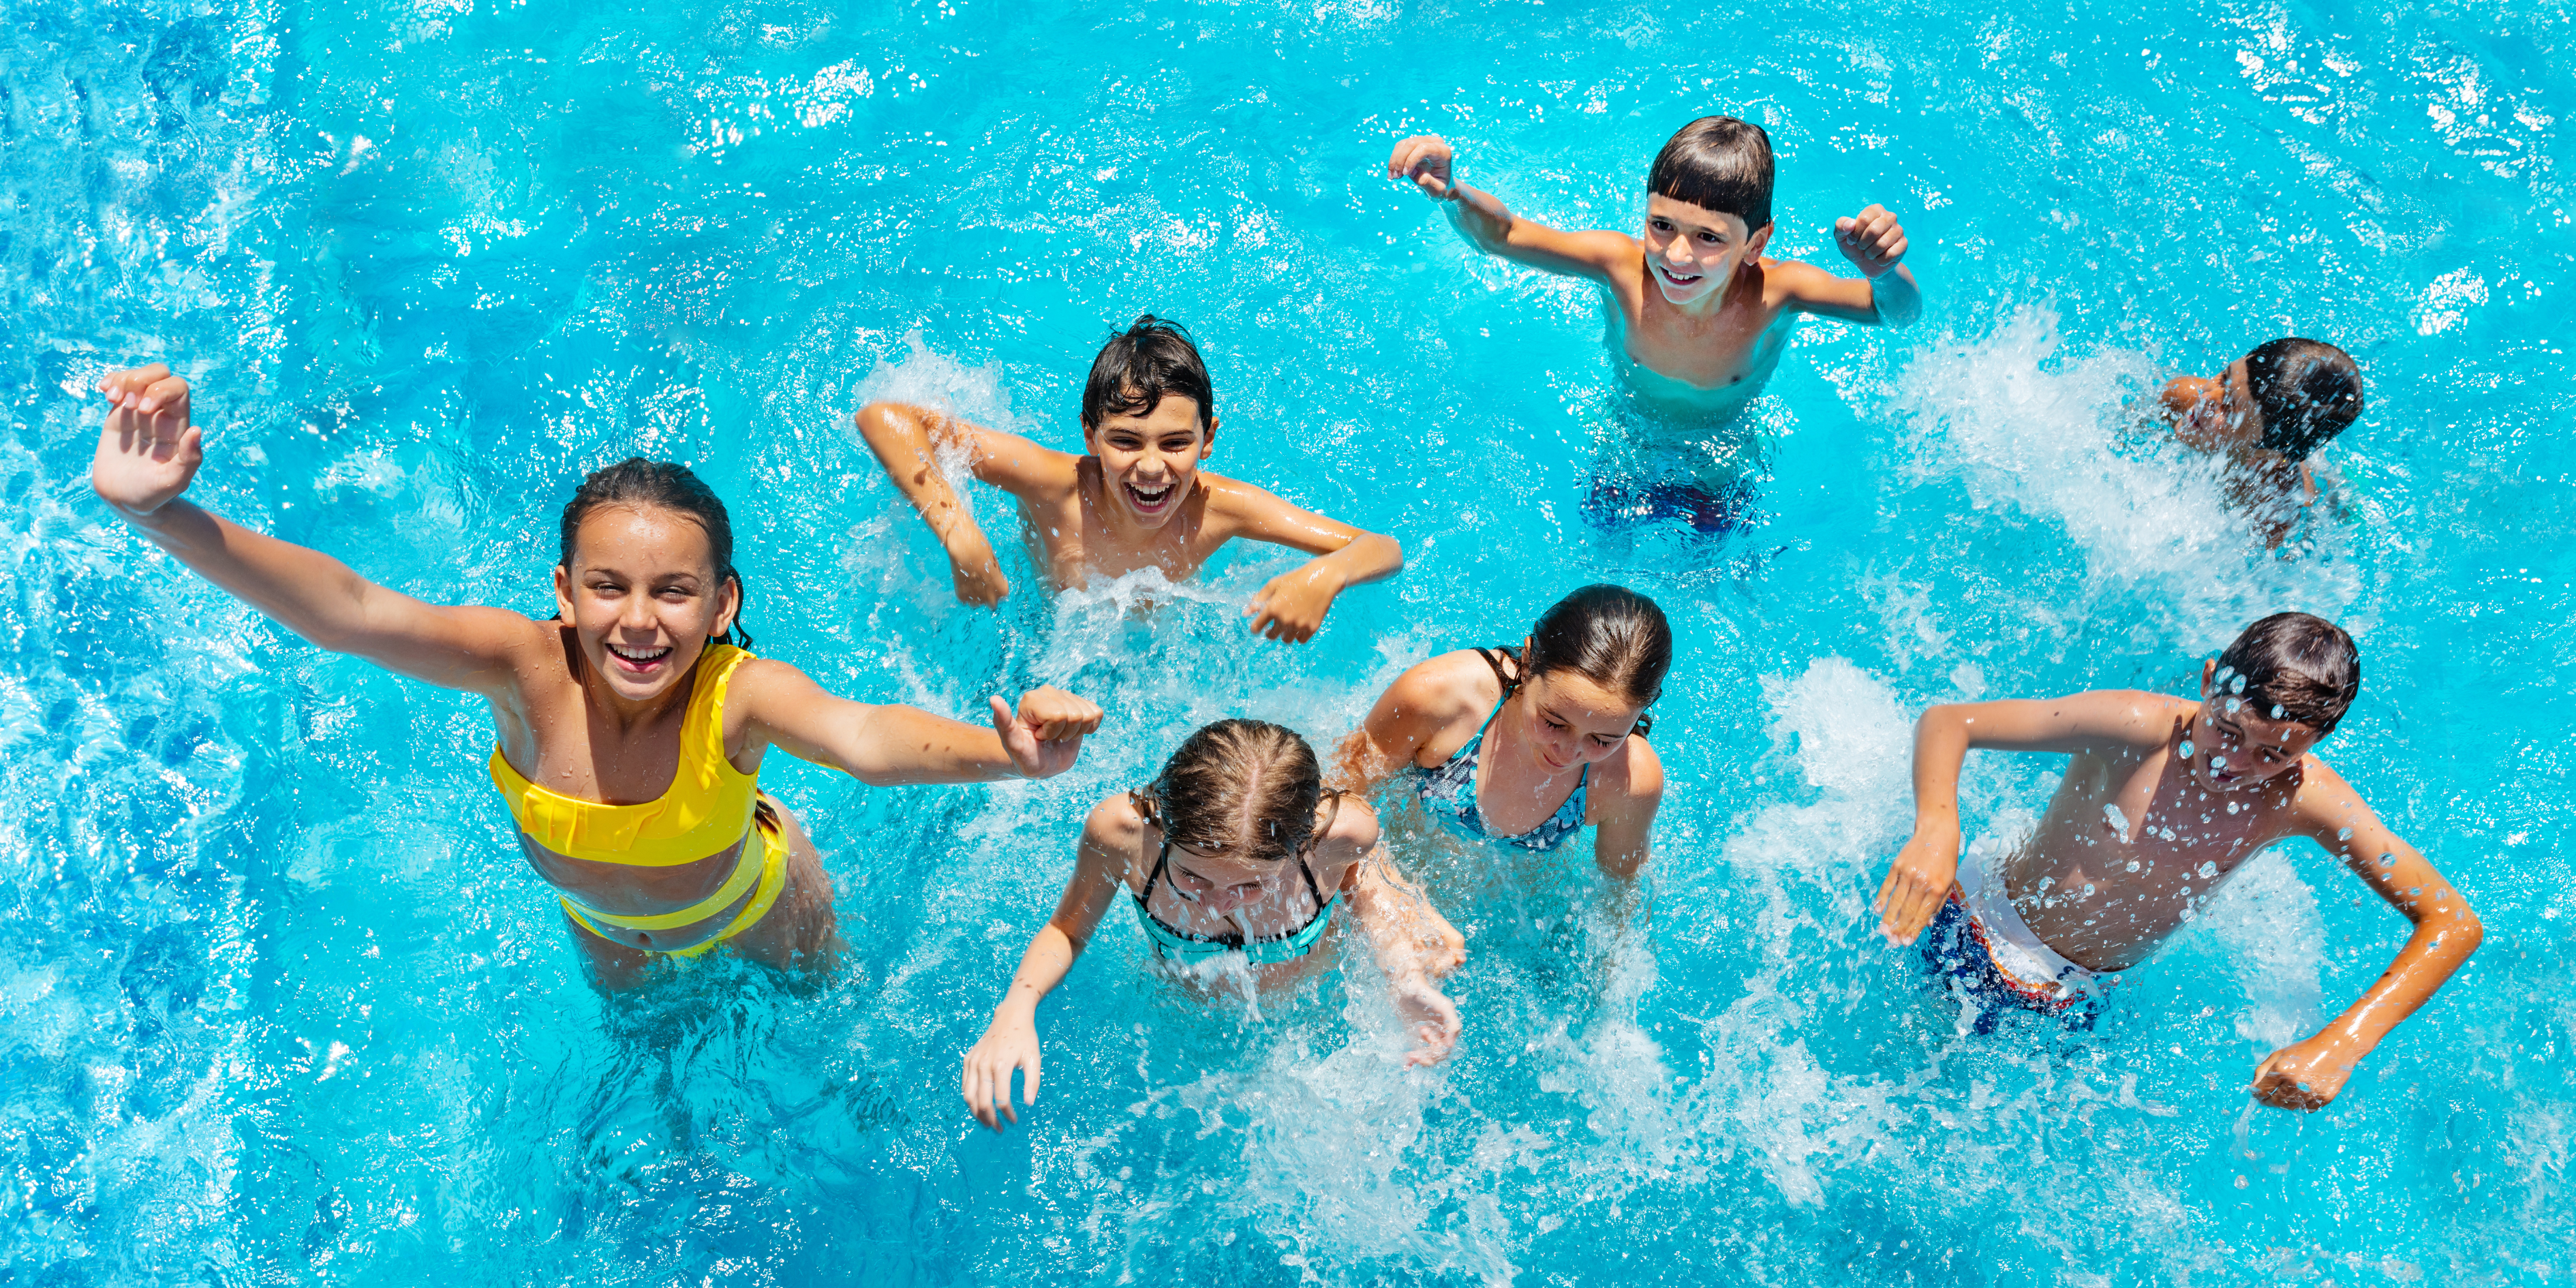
282	1003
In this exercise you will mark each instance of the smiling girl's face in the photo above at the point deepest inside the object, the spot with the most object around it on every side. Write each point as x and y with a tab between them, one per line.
1692	252
2238	747
1570	720
643	597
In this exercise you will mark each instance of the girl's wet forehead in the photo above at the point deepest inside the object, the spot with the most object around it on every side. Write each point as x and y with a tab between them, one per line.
643	540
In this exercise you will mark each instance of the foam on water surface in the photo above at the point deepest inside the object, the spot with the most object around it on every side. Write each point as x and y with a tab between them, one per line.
286	1005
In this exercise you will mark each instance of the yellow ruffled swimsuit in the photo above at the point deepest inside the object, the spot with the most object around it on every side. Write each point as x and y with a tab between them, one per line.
711	807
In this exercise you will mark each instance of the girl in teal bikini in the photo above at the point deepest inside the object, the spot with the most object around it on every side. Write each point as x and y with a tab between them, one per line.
1235	853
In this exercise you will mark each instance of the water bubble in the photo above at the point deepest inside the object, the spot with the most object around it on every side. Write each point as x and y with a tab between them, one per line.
2187	749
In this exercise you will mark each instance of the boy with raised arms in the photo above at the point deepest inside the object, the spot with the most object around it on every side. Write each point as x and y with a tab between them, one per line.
2266	415
1694	306
2163	800
1137	498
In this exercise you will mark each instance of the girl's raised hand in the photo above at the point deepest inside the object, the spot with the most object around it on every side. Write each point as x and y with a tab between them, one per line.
1044	736
148	453
1011	1043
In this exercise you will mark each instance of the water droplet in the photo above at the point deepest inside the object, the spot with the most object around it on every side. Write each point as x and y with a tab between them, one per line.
2343	834
2233	704
2133	865
2236	685
2119	822
2388	860
2276	710
2186	749
2412	891
2217	763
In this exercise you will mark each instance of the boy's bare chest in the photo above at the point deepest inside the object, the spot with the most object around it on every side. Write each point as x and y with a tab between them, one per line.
1728	349
1074	542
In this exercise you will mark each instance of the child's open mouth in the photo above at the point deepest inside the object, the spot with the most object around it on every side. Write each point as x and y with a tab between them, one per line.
639	661
1151	500
1680	279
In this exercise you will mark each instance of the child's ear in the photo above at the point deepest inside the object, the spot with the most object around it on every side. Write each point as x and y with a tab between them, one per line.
1754	244
1207	444
563	593
731	610
2208	678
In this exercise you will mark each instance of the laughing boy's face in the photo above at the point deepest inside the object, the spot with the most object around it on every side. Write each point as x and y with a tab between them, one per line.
1150	462
1692	252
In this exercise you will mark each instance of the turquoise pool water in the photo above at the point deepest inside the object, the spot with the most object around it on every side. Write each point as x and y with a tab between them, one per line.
283	1004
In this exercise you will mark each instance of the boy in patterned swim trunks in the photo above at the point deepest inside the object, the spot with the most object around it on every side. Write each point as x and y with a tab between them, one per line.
2163	800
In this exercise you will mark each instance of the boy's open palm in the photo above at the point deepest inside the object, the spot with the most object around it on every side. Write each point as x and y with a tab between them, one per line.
1918	882
1424	161
1872	240
148	453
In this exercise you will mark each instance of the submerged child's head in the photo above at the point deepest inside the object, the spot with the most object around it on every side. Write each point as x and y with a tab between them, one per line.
1708	206
1594	663
2274	694
647	577
2301	393
1150	417
1236	799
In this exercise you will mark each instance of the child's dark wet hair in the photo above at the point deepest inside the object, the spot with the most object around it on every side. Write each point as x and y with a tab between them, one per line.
2308	392
1243	787
1717	163
1610	635
2291	666
660	485
1150	361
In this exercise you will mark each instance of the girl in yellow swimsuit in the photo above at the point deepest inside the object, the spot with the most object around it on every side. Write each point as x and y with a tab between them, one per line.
631	728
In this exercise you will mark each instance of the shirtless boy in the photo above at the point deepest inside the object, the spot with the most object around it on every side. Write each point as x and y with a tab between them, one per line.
2162	801
1137	498
1694	303
2267	413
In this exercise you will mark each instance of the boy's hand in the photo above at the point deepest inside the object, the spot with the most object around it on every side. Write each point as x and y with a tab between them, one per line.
148	453
1292	607
2303	1075
1918	882
1011	1043
1045	736
971	564
1424	159
1871	240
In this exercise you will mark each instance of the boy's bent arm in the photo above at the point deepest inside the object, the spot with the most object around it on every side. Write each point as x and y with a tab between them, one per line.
2311	1073
1483	220
1918	882
1891	299
1292	605
906	440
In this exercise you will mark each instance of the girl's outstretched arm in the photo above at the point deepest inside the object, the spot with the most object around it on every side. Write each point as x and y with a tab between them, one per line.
1011	1040
888	746
148	453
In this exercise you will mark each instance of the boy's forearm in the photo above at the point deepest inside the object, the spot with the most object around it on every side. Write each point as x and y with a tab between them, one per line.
900	437
2440	945
1369	557
1480	217
1897	298
1940	747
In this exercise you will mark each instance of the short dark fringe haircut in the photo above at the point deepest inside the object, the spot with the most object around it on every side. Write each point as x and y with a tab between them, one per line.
1717	163
659	485
2308	391
1148	362
2294	667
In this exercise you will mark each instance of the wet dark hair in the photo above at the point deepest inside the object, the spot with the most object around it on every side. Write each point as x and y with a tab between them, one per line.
1607	634
660	485
2291	666
2308	391
1246	787
1148	362
1717	163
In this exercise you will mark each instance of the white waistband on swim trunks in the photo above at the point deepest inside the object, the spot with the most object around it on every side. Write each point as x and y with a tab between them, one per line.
2014	948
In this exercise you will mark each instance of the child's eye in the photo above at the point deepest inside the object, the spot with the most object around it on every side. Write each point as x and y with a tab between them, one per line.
1711	238
1660	225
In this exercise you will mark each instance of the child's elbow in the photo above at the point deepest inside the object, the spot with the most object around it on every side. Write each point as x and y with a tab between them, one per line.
2465	930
